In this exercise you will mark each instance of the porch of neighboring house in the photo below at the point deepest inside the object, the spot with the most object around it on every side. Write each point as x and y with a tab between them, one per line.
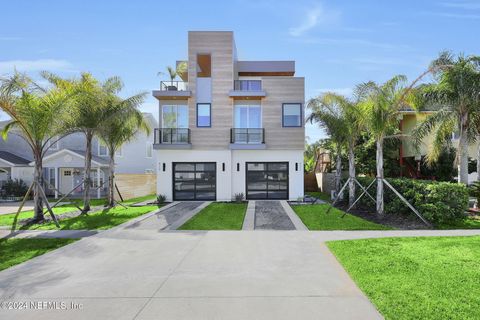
64	171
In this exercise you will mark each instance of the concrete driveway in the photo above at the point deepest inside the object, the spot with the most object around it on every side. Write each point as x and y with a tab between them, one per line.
147	274
12	207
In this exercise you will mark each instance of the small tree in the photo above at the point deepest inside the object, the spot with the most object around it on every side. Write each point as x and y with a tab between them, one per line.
120	129
39	116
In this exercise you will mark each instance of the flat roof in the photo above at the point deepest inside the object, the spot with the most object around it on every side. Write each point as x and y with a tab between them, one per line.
286	68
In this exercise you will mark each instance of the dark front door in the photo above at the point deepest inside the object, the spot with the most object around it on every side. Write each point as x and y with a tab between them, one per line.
267	180
194	180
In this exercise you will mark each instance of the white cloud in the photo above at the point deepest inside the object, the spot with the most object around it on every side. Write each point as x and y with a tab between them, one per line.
35	65
466	5
315	16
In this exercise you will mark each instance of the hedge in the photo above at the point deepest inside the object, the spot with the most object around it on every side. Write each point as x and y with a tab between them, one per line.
438	202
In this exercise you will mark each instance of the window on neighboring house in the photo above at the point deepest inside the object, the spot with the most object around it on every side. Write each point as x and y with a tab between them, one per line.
94	179
292	115
119	152
102	149
149	151
204	115
52	144
148	171
51	178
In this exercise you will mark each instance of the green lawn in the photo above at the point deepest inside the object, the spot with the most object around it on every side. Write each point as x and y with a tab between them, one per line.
320	195
416	278
218	216
315	218
467	223
15	251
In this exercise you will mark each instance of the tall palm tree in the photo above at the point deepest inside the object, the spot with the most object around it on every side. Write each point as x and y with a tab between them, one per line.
455	96
381	105
92	109
39	116
174	72
120	129
342	118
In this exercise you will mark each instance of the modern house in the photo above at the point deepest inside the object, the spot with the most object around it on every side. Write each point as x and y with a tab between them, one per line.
65	160
230	126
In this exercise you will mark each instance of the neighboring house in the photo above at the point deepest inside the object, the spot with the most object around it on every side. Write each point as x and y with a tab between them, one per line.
64	161
409	156
230	126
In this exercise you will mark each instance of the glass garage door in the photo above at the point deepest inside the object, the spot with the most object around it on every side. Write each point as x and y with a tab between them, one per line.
267	180
194	181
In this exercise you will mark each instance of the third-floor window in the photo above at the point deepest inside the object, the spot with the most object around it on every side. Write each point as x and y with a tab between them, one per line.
248	116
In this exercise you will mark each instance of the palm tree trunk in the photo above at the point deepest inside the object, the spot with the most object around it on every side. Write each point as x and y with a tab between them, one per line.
478	159
338	173
463	157
38	180
111	180
351	175
87	171
380	204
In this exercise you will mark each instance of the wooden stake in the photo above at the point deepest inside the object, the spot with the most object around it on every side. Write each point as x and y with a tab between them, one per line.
25	197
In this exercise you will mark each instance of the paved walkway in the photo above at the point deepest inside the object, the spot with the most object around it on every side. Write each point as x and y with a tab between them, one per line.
270	215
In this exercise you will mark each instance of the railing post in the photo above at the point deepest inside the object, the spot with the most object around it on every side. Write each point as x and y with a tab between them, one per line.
263	135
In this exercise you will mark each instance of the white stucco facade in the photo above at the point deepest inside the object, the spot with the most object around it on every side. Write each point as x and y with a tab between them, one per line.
230	181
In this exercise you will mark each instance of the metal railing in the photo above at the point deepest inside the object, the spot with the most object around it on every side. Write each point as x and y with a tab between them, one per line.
171	136
173	86
247	85
247	135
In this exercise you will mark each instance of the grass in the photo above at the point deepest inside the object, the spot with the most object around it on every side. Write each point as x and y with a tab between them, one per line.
416	278
315	218
15	251
218	216
320	195
467	223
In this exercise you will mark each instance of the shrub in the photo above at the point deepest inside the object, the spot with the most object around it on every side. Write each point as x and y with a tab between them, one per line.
438	202
161	198
15	188
239	197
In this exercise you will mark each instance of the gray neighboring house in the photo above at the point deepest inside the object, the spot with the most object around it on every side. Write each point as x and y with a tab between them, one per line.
64	162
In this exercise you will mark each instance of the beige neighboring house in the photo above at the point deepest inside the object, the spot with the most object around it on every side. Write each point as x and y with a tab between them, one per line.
407	151
230	126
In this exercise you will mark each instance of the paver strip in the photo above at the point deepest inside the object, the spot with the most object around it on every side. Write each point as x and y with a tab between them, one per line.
249	220
270	215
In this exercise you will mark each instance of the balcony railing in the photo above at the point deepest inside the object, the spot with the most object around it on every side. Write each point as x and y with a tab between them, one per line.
247	85
247	135
173	86
172	136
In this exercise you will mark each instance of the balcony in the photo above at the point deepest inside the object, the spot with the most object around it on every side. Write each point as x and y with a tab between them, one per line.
246	89
172	138
247	138
172	90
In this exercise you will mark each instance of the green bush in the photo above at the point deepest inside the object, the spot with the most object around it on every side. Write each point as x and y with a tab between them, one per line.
15	188
438	202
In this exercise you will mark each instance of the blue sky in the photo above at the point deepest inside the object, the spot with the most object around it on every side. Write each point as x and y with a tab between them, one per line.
336	44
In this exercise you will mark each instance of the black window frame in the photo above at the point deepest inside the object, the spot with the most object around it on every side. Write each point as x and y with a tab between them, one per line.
210	114
300	105
267	169
194	171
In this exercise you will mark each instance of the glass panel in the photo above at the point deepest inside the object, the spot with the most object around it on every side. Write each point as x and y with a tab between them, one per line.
277	195
292	115
256	166
202	195
169	117
203	115
184	186
254	117
184	167
277	166
257	194
184	176
257	185
184	195
206	166
241	117
182	117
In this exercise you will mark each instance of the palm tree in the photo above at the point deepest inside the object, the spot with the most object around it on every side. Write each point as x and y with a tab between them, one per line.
381	106
120	129
455	96
92	109
174	72
39	116
342	119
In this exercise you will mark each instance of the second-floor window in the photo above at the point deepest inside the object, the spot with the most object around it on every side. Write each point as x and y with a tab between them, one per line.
292	115
102	149
148	152
204	116
175	116
119	152
248	116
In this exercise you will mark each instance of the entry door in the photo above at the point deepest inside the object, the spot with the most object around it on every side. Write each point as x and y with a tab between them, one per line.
66	180
267	180
194	180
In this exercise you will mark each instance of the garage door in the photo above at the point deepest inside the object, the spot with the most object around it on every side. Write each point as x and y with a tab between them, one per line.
194	181
267	180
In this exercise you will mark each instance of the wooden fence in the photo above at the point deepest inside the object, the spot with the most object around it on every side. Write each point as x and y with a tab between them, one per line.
135	185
